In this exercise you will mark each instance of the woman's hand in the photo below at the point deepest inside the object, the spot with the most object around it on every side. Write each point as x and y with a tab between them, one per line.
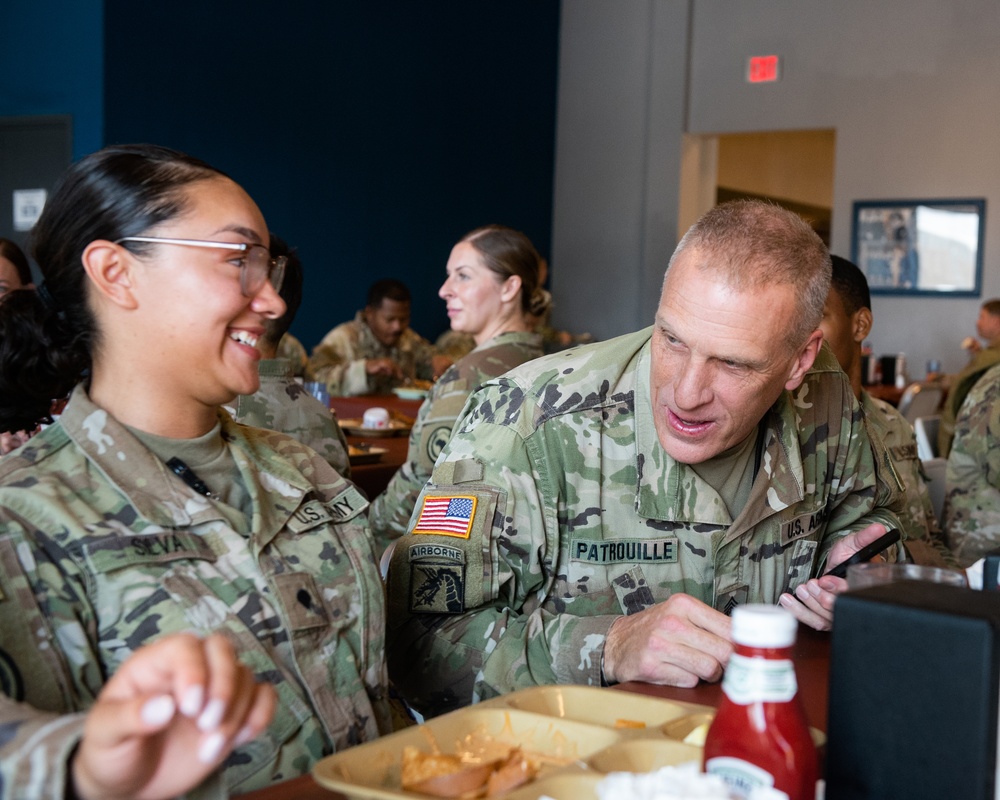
167	718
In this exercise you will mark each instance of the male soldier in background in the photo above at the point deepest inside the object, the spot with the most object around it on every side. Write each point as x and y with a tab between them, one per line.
972	482
281	404
988	329
597	512
377	350
846	323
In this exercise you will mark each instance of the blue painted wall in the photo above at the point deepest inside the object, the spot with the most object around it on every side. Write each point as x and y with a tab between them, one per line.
372	133
51	63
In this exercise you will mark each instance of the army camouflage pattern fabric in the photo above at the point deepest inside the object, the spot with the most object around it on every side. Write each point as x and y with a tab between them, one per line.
580	516
920	529
339	359
961	385
103	548
293	351
391	510
972	481
281	404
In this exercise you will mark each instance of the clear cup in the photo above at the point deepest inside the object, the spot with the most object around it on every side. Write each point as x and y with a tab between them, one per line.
318	390
861	576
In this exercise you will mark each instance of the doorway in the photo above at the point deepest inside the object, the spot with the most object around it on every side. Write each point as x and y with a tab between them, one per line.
793	169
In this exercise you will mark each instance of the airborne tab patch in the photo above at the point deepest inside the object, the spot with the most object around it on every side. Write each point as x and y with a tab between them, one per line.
446	515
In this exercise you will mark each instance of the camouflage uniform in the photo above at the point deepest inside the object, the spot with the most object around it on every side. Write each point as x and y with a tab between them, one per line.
961	385
391	510
340	359
281	404
920	527
972	493
455	345
577	515
294	351
103	548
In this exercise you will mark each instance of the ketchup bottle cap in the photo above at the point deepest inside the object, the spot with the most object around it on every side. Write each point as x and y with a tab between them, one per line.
764	626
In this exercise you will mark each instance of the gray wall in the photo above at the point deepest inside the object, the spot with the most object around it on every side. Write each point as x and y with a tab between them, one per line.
618	142
912	88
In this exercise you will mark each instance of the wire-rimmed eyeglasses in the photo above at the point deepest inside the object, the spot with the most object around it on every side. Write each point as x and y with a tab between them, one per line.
255	267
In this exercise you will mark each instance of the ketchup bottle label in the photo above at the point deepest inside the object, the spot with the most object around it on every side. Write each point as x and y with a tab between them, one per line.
758	680
741	776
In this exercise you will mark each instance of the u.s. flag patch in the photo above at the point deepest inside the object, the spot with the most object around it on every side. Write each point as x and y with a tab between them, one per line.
450	515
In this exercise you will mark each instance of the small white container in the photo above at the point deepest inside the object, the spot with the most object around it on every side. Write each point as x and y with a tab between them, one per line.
375	418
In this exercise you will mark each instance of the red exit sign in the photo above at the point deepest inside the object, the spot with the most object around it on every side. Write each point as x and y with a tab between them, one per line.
763	69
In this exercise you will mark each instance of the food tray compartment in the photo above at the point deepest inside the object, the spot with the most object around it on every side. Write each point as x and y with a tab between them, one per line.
609	708
643	755
478	734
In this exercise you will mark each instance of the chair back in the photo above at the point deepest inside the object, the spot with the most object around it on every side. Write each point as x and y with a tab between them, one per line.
920	400
926	429
934	469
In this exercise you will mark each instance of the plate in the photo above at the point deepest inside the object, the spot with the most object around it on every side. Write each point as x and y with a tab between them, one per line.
353	427
574	733
409	393
364	455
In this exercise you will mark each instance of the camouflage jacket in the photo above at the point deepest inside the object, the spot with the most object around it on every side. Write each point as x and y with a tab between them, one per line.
972	482
391	510
295	352
560	511
961	385
103	548
339	359
281	404
920	528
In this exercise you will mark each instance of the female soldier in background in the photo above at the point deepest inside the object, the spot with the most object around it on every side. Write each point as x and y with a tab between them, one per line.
491	289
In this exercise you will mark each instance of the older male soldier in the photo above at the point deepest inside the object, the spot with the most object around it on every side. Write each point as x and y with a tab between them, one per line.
598	511
377	350
846	323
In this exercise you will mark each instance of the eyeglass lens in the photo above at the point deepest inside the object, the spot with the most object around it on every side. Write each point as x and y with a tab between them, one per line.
259	268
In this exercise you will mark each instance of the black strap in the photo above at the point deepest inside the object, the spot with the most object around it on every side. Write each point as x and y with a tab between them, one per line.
190	477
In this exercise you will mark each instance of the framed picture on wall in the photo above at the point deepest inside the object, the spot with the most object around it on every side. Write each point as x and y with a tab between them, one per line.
920	247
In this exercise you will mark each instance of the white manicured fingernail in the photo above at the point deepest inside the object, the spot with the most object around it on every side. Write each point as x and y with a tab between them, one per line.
245	735
159	710
192	701
211	747
211	716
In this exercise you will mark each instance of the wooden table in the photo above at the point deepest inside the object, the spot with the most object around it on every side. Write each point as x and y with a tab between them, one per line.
885	392
812	667
373	478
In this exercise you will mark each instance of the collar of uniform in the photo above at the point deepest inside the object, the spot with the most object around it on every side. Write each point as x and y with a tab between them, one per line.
266	474
669	490
274	368
529	338
153	490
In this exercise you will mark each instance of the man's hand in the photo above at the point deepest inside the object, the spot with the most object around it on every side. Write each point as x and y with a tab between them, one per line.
383	366
677	642
813	601
167	718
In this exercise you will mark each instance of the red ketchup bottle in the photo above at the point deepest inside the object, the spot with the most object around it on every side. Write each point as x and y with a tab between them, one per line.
759	736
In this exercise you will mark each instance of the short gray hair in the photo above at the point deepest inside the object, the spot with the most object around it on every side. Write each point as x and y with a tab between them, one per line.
752	244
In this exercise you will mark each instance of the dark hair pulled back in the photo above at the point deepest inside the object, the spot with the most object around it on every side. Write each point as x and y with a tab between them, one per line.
507	252
47	339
